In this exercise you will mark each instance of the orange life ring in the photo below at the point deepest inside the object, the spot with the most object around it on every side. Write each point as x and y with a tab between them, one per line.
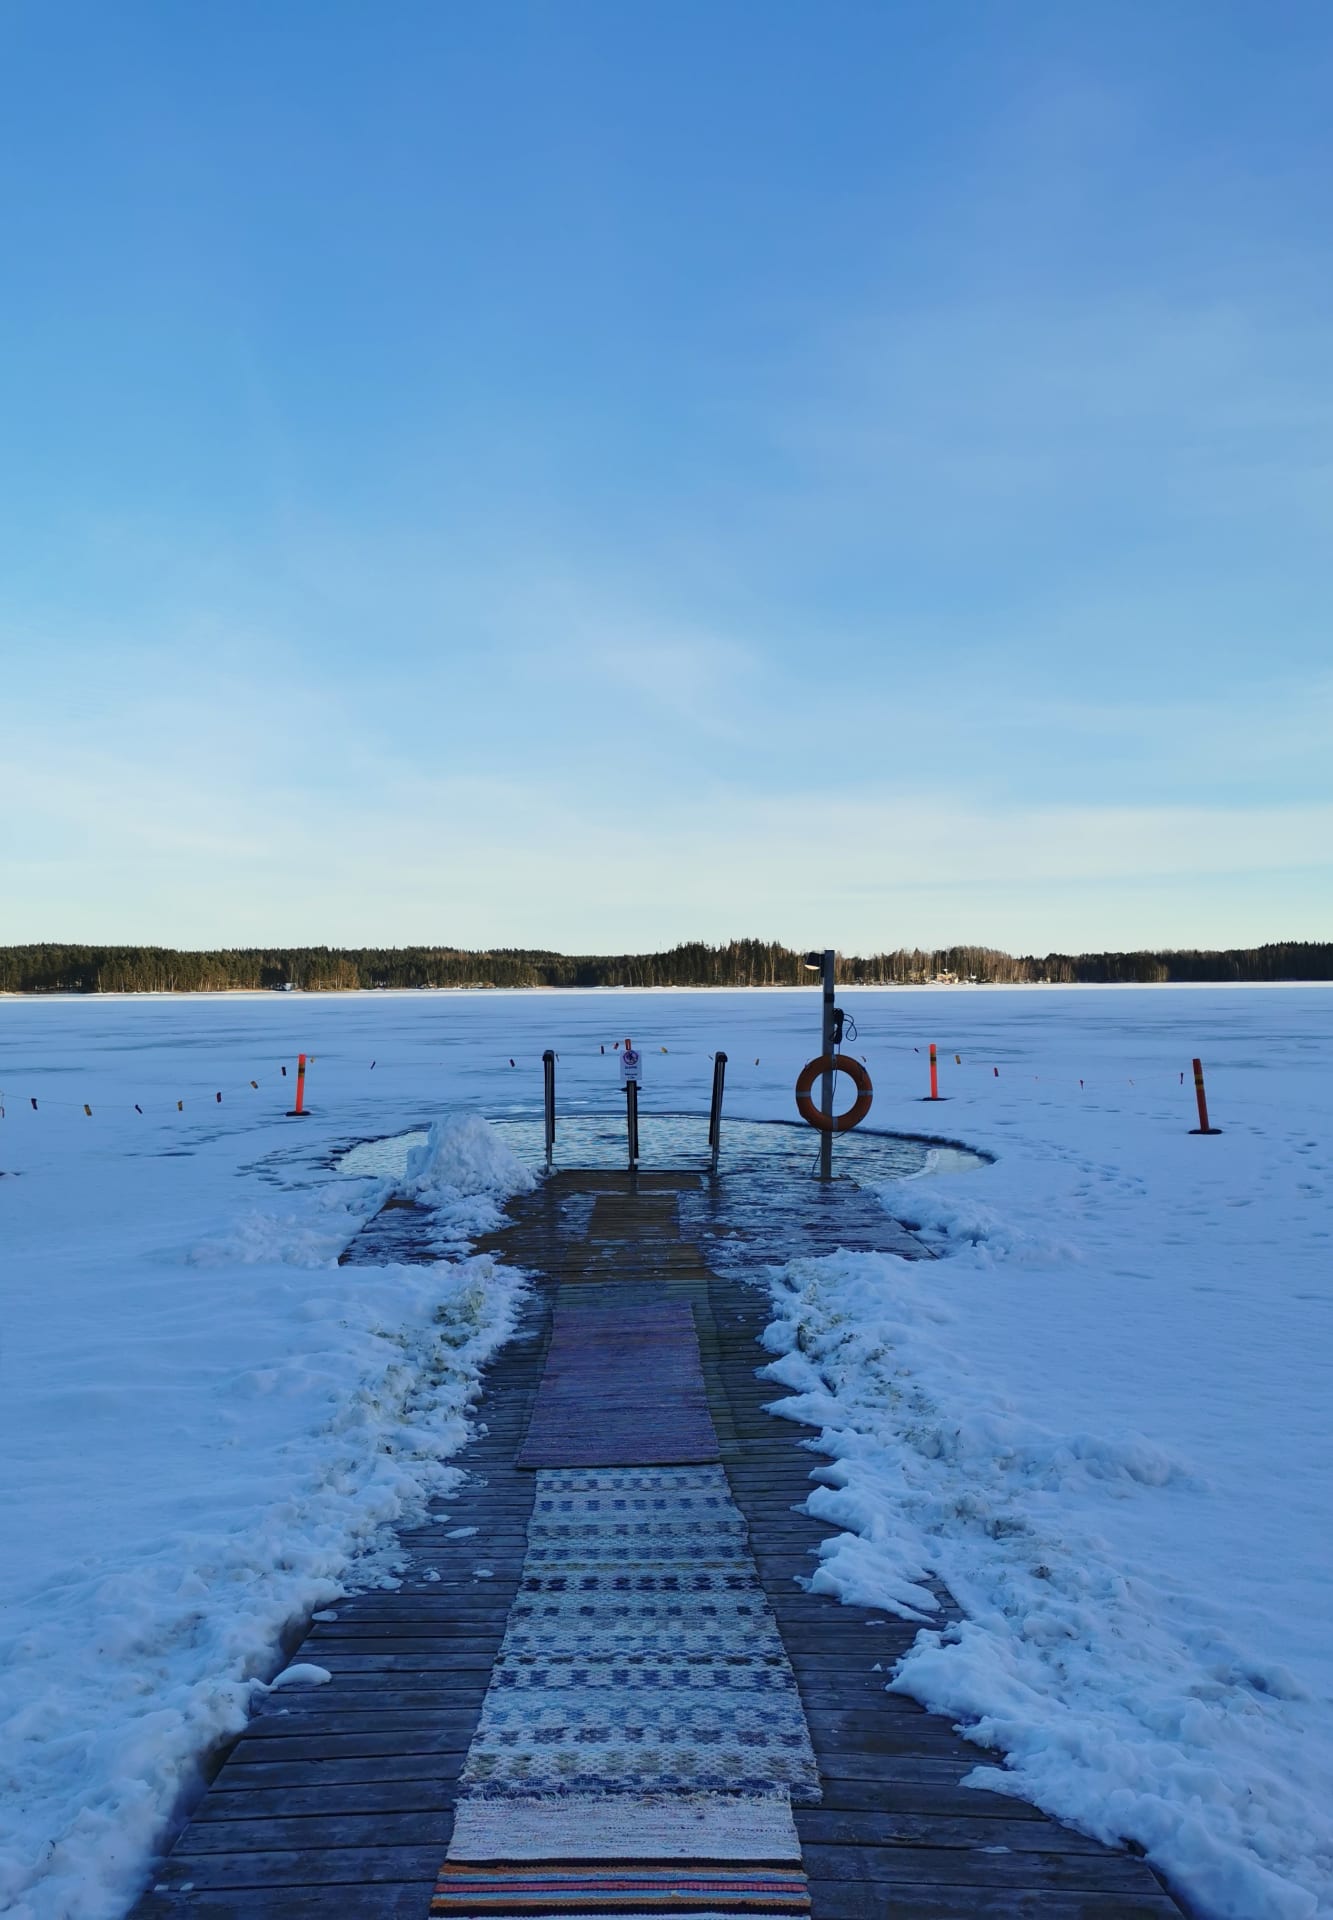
837	1122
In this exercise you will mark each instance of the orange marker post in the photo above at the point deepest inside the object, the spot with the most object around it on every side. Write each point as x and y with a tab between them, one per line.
1202	1098
934	1073
298	1112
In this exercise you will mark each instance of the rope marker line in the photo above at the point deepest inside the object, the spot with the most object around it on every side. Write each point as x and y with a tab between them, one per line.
900	1048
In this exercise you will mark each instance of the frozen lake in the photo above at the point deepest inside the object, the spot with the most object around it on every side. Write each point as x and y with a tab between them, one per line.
1125	1366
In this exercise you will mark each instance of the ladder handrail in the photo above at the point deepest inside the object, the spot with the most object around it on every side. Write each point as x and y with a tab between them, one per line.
715	1108
548	1076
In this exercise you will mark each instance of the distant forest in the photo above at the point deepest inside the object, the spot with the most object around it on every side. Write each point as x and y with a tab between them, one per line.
52	968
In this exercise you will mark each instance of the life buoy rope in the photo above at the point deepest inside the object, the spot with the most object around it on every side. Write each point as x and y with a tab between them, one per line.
833	1122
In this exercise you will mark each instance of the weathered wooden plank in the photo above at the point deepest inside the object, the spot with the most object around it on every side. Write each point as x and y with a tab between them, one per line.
302	1867
425	1600
272	1832
336	1770
935	1828
831	1691
395	1900
357	1691
334	1745
945	1797
844	1765
851	1900
1101	1871
471	1603
332	1797
444	1713
403	1638
854	1646
901	1734
857	1660
348	1667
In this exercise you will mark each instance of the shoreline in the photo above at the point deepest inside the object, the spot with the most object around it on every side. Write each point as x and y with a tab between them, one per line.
491	993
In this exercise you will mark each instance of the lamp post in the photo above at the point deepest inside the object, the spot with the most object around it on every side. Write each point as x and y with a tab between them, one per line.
823	963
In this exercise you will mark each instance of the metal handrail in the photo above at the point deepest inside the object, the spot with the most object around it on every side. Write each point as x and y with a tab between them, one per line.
548	1074
715	1108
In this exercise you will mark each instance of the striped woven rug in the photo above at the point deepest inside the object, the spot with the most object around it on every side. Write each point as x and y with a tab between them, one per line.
664	1889
622	1385
642	1736
718	1827
640	1653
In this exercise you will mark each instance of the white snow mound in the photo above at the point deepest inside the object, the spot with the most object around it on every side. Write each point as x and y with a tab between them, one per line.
462	1157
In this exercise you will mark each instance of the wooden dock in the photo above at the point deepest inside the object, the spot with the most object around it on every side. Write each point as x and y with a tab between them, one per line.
338	1800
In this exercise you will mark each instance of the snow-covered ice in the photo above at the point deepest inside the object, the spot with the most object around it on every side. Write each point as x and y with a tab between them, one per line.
1102	1417
1107	1422
207	1424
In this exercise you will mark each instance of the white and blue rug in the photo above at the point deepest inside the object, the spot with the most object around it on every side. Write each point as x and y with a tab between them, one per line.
641	1653
642	1714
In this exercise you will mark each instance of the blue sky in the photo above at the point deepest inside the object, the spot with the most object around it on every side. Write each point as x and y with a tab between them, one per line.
591	475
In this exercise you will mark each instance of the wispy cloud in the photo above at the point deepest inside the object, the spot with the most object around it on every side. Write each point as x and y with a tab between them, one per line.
1207	410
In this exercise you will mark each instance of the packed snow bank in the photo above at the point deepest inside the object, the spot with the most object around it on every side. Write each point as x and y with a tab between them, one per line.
210	1434
1122	1703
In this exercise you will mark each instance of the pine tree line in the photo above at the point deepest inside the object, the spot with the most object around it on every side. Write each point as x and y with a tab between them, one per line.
59	968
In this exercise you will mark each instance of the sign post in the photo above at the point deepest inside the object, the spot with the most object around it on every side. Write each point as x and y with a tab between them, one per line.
826	1079
829	1062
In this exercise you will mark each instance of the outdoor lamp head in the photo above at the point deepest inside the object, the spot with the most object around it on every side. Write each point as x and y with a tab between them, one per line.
814	962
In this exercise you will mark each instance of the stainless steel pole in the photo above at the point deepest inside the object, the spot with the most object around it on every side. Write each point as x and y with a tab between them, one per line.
826	1079
632	1115
548	1076
715	1109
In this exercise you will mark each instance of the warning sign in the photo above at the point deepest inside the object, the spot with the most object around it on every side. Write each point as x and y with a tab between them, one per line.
631	1066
